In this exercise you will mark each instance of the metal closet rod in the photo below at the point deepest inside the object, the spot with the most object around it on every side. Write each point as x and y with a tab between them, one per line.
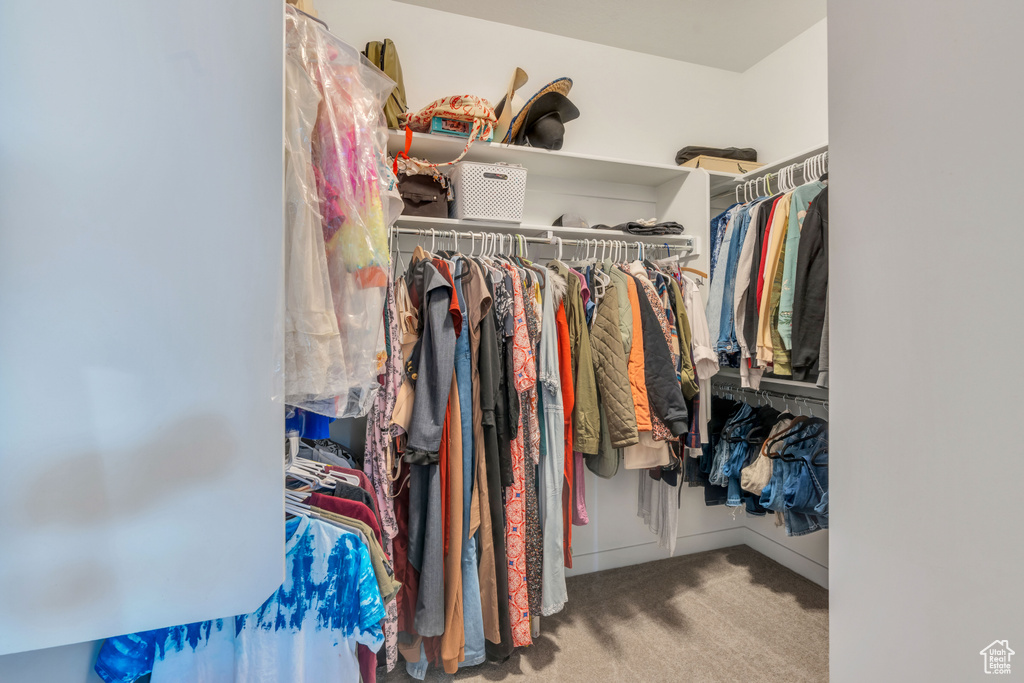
785	178
554	239
769	392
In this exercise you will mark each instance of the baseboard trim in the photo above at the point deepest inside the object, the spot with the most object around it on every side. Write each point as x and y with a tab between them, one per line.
787	557
612	558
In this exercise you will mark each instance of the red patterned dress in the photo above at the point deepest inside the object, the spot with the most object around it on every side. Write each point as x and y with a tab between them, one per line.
525	371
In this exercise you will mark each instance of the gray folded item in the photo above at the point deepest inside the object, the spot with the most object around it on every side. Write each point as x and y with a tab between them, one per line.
634	228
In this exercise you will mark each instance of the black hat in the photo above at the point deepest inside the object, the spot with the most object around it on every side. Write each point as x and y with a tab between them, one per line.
544	124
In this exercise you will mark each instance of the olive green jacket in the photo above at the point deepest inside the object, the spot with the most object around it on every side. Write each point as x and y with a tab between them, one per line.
586	420
611	371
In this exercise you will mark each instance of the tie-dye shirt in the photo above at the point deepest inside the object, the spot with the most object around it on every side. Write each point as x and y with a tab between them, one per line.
306	631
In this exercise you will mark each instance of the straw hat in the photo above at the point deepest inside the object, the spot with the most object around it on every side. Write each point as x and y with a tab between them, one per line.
504	113
561	86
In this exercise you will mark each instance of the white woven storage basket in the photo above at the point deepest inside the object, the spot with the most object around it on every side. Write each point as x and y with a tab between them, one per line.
488	192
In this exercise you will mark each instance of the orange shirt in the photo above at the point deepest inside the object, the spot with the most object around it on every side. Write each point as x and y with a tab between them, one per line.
568	401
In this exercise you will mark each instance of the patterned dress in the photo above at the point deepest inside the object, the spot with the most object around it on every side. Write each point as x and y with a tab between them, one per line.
531	423
378	447
524	377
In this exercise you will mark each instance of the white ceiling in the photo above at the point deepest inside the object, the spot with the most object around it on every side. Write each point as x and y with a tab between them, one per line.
728	34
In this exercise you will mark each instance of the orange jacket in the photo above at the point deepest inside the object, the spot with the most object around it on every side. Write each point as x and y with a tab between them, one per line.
637	382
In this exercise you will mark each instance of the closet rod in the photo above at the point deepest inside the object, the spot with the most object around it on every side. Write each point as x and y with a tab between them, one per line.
812	167
721	386
553	239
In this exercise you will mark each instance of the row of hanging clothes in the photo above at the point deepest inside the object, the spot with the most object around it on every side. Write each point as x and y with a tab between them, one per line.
767	460
506	377
768	303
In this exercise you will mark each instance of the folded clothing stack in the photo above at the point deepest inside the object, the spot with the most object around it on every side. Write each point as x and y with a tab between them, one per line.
645	228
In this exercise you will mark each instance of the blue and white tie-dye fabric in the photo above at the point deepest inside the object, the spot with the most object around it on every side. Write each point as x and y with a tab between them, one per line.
306	631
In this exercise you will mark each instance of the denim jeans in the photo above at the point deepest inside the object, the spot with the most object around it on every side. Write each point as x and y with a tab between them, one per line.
472	610
753	506
726	343
799	524
771	495
552	469
713	310
724	451
798	488
717	475
822	507
807	496
807	483
738	458
418	669
718	224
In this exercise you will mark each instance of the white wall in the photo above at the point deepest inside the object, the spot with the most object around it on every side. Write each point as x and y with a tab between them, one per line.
633	106
925	281
140	278
787	98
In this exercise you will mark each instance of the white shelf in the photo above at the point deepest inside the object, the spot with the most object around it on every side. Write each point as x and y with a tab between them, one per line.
722	183
734	374
537	230
542	162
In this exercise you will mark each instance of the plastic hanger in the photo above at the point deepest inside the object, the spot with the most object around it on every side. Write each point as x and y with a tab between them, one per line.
674	261
327	477
786	454
809	425
558	241
728	431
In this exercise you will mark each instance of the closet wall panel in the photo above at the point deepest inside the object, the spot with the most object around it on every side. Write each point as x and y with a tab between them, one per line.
140	293
925	279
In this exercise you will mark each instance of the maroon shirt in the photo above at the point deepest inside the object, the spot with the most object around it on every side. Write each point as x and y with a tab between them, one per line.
347	508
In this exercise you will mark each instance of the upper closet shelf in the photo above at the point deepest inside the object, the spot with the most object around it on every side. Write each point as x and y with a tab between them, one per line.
439	148
723	183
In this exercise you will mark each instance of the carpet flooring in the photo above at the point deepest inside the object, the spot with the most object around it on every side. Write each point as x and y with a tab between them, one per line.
724	616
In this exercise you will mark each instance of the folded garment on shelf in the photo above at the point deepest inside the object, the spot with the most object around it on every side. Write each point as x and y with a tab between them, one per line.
643	228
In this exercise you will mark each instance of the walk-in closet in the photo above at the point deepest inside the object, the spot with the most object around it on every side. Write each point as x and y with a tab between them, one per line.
378	341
